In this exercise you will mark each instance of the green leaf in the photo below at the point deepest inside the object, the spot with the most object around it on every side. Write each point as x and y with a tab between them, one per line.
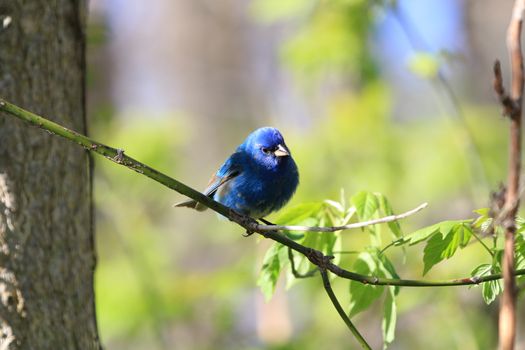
491	289
465	233
484	220
373	263
423	234
301	214
520	255
388	270
481	270
424	64
388	324
297	214
336	205
363	295
325	213
443	244
482	211
520	224
273	263
434	250
366	205
386	208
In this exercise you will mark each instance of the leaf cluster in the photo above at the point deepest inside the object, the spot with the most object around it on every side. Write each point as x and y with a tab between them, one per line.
441	241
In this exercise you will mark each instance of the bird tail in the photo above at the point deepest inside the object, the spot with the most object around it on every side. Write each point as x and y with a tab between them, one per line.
191	204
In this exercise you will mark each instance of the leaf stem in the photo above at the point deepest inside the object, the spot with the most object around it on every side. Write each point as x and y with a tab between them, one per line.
482	243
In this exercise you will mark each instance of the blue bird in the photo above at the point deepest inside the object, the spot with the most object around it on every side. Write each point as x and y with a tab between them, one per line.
259	178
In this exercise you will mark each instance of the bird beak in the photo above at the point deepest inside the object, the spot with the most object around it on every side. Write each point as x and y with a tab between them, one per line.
281	151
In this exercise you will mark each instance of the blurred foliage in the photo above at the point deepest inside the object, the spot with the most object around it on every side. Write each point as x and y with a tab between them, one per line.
424	64
179	279
331	38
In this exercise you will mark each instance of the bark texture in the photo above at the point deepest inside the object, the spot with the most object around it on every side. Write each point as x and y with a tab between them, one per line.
46	229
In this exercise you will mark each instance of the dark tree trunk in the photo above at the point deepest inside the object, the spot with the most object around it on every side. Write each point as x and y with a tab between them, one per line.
47	254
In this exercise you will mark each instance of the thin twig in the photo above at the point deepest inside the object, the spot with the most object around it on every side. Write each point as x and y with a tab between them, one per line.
296	273
506	102
342	313
340	228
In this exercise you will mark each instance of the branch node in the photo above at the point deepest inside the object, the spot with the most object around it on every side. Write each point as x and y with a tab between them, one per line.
318	258
120	156
510	106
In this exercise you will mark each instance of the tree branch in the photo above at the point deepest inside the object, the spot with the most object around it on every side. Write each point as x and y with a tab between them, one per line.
296	273
506	102
512	107
340	311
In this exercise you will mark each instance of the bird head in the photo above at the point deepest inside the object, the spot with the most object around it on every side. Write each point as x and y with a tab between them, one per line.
266	146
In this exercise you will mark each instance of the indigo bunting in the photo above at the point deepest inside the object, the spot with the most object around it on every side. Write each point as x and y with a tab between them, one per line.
259	178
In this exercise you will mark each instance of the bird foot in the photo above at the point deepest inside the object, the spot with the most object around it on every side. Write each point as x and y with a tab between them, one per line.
247	233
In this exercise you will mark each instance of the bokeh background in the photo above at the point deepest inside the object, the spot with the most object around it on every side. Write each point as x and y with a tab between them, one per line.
387	96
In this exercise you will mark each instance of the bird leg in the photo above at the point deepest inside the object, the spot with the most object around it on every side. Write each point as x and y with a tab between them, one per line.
266	222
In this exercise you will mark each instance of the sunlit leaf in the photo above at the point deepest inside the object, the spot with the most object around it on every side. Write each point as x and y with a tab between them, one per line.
366	204
520	224
443	244
273	262
388	324
300	214
297	214
491	289
482	211
336	205
465	234
388	270
387	210
520	254
423	234
363	295
434	250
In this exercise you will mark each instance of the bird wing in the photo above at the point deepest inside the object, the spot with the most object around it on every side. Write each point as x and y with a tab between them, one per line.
226	172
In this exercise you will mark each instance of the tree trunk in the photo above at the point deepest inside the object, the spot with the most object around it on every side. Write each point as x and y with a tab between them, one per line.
47	254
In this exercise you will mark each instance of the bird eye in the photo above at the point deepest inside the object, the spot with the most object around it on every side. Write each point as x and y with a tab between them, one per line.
266	150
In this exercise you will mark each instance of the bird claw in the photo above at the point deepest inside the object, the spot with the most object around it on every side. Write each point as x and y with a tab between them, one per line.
247	233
